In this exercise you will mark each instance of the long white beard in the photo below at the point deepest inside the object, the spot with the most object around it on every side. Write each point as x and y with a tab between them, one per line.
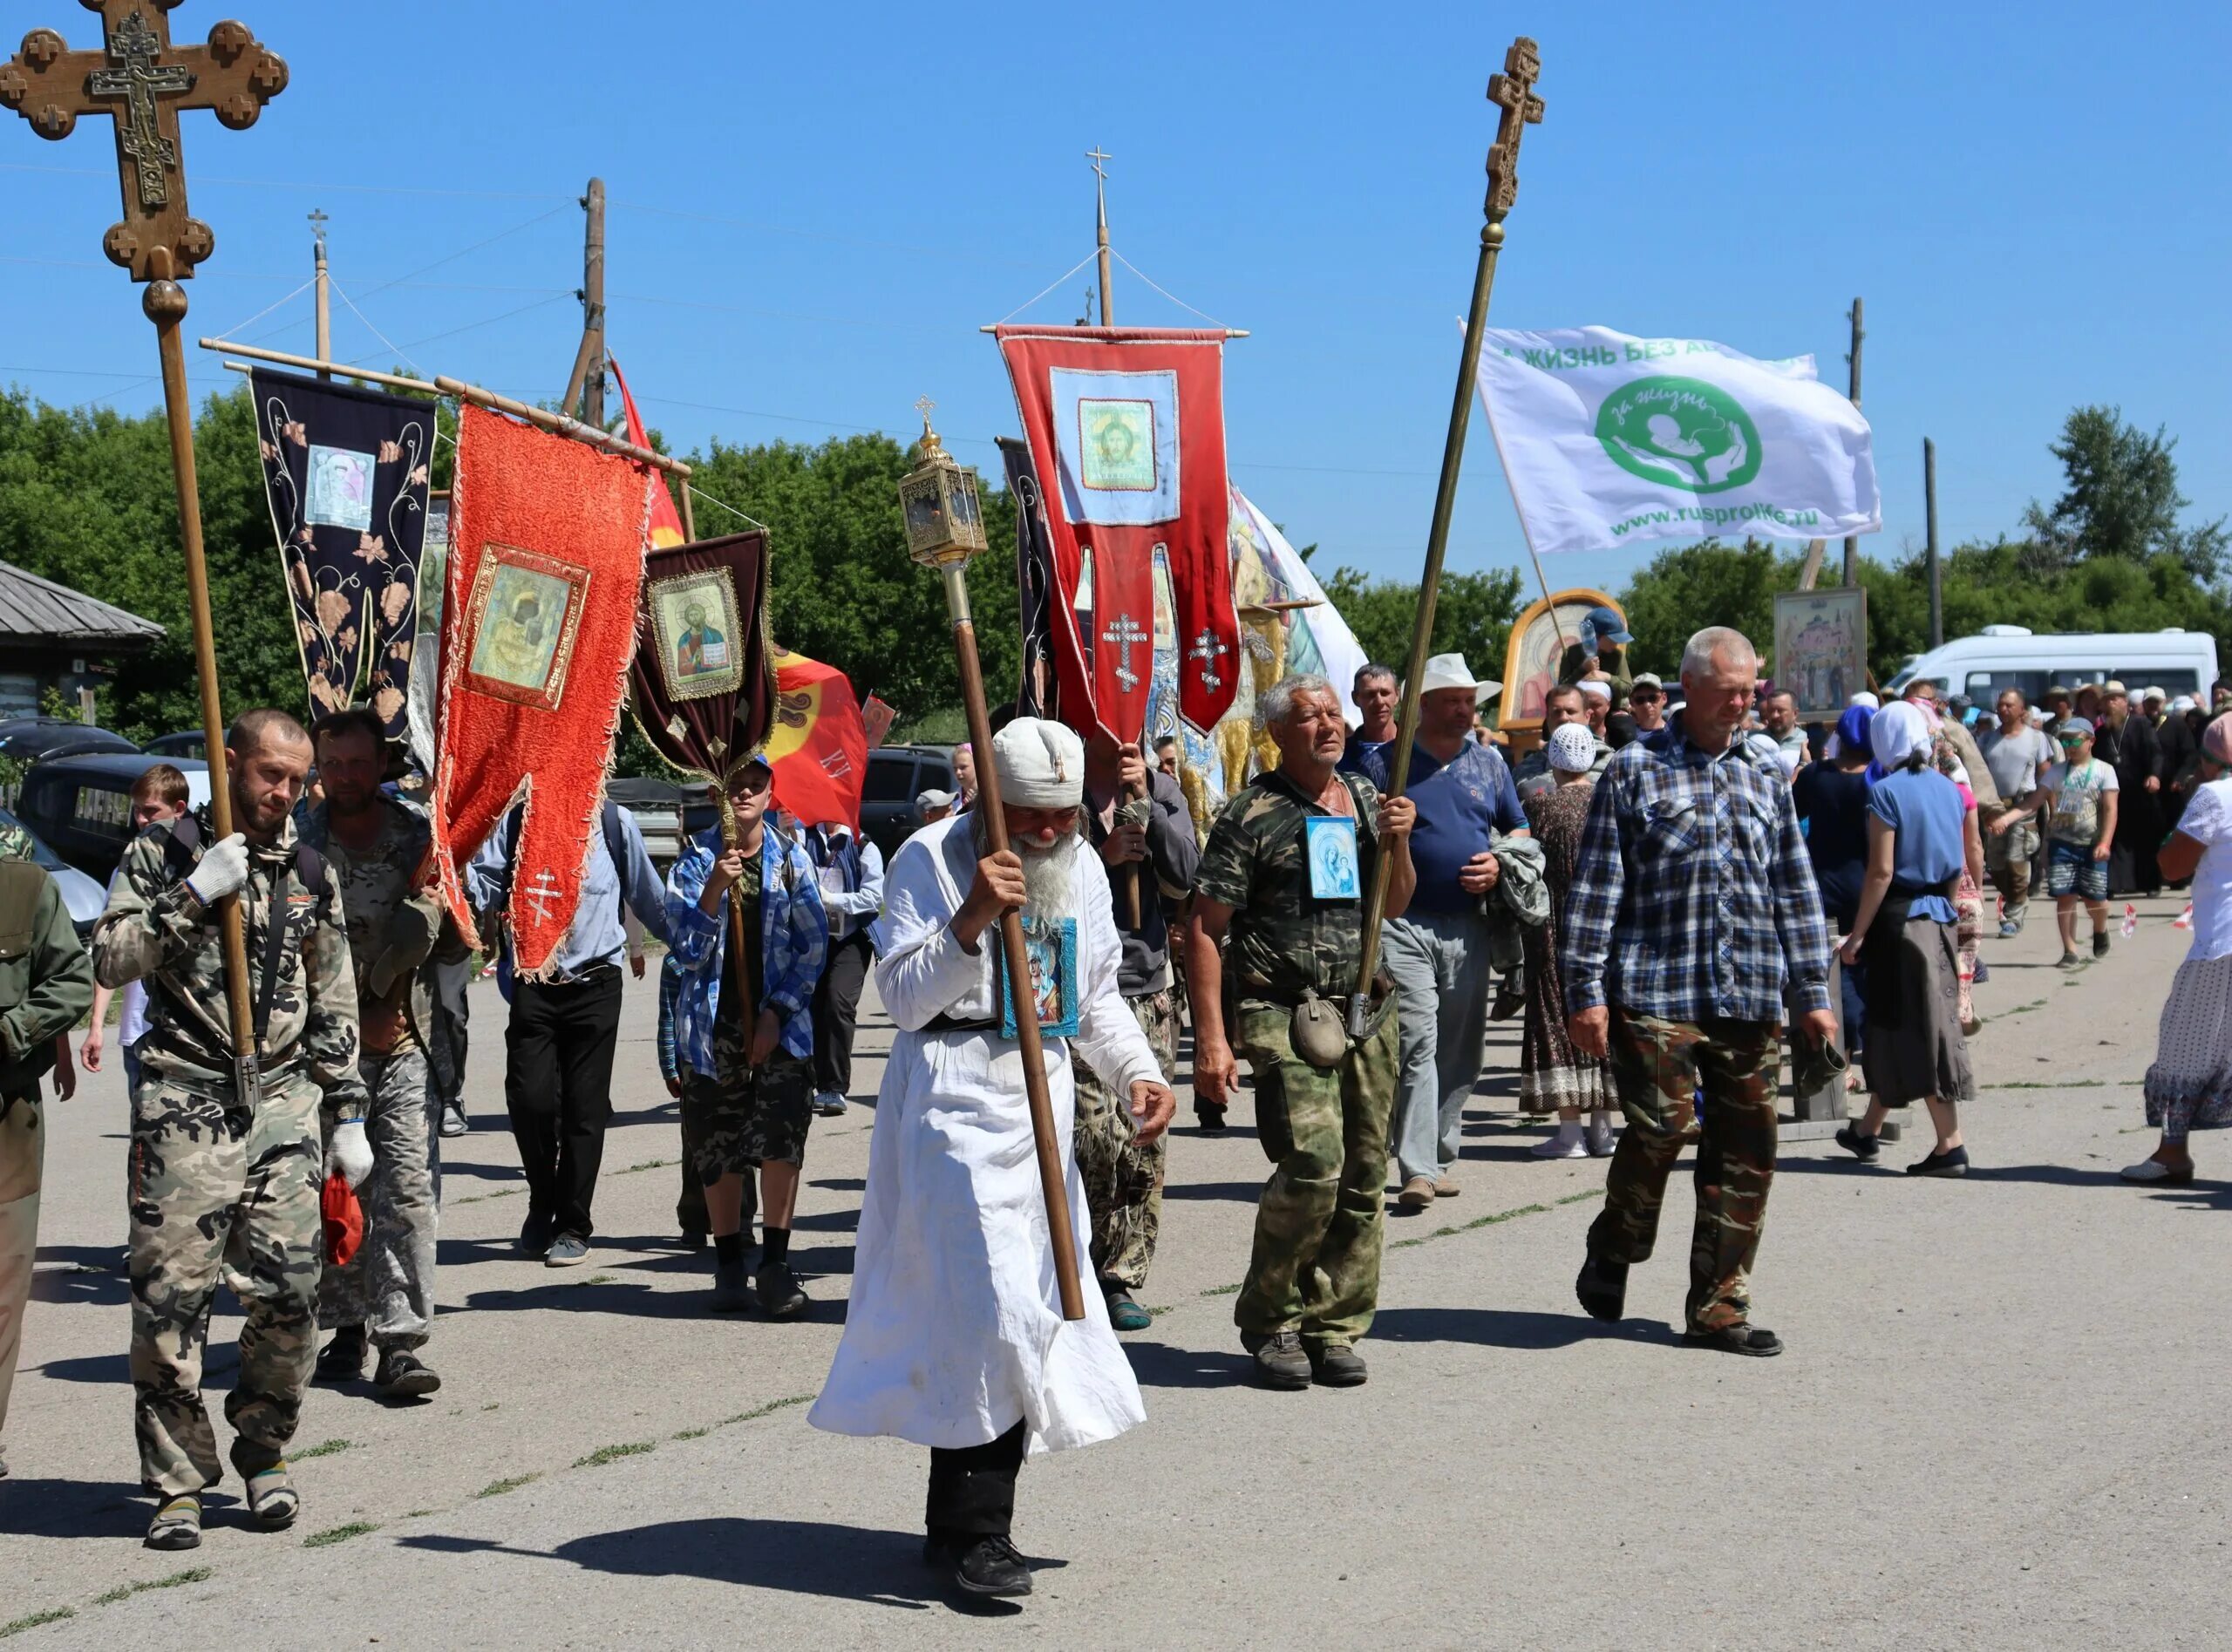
1049	877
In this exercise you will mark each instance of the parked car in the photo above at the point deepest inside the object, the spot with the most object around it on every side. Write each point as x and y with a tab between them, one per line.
2012	657
666	811
83	805
897	774
33	740
83	897
187	742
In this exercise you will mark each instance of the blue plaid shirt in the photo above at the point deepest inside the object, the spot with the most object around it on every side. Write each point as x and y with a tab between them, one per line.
794	941
1693	897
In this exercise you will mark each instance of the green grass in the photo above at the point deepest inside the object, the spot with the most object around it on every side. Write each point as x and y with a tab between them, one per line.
420	1514
32	1621
125	1592
604	1454
324	1448
691	1434
649	1164
768	1410
339	1533
497	1488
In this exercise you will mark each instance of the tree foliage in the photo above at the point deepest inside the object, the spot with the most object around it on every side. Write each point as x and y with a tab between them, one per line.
2121	498
1471	616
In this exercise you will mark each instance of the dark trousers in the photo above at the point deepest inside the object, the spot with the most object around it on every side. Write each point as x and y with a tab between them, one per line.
558	1088
972	1490
837	1010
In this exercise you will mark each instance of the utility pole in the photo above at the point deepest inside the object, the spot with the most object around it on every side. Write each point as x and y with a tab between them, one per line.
585	385
324	295
1937	569
1852	540
1097	156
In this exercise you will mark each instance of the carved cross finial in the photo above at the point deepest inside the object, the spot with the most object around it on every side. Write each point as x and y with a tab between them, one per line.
923	407
1097	154
142	81
1514	92
318	221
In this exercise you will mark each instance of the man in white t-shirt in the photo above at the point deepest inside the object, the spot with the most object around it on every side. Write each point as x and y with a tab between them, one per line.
2084	792
2018	757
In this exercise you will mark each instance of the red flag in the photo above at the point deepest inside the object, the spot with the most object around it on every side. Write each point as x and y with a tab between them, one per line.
546	555
666	521
1126	432
877	718
817	745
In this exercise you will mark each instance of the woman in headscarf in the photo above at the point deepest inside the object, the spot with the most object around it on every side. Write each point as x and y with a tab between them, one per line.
1553	1075
1969	892
1904	932
1832	800
2189	1086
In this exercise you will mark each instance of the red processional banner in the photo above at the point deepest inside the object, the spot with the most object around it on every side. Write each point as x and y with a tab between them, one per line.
547	538
817	744
1126	433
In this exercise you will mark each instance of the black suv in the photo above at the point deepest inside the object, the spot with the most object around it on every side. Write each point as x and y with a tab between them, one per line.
897	774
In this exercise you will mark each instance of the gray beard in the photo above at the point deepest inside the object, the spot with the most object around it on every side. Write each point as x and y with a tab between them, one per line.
1048	878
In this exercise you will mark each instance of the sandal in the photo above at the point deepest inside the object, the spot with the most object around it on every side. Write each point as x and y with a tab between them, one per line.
272	1501
177	1524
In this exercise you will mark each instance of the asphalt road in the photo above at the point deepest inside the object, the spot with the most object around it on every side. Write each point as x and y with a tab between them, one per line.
1997	1424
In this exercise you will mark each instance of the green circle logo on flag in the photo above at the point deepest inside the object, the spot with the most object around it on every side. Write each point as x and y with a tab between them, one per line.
1681	431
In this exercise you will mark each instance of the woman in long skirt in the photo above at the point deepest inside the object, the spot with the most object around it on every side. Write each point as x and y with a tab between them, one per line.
2189	1086
1553	1075
1905	929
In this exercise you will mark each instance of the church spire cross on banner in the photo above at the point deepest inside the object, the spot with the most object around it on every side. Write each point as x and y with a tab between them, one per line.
1209	651
1124	633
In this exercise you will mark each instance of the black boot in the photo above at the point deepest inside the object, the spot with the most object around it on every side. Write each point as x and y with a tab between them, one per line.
342	1360
984	1565
1602	1287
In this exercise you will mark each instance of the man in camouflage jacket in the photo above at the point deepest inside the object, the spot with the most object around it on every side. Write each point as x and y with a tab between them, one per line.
221	1187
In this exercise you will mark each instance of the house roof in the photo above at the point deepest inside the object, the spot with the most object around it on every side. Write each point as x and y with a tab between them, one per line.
37	610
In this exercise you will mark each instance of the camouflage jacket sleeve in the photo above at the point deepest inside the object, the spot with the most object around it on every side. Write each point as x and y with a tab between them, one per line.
329	1032
61	987
150	922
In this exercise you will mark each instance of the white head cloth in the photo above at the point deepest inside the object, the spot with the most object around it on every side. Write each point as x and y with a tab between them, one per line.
1041	765
1573	748
1865	698
1900	730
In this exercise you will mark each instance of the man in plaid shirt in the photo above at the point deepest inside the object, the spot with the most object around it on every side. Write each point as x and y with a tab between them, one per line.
1693	917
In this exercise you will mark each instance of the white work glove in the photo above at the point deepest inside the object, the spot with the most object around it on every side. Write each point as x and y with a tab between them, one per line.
222	871
349	1152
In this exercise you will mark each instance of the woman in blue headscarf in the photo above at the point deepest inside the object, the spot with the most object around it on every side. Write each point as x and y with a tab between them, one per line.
1832	800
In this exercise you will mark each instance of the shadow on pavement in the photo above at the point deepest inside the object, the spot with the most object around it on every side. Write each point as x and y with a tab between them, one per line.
89	1274
798	1557
1159	1365
1245	1192
1506	1328
82	1509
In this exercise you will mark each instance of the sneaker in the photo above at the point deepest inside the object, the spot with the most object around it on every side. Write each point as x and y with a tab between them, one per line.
780	1296
2099	943
1335	1365
1982	975
982	1565
536	1235
1417	1195
403	1375
2012	925
1562	1145
829	1104
1756	1340
567	1250
2070	959
1952	1162
731	1288
1280	1361
452	1123
343	1359
1602	1288
1860	1145
1124	1313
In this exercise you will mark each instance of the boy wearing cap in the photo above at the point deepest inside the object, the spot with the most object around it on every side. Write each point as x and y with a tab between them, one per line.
2084	791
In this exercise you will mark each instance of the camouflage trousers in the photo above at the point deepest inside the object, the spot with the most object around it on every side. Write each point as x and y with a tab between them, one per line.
388	1286
738	1117
1321	1222
215	1193
22	1155
1659	1067
1123	1180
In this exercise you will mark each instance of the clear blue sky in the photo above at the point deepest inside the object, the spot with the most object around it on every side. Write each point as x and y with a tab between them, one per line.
814	209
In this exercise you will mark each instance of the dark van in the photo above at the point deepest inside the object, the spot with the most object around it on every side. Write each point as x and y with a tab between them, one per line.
81	806
897	775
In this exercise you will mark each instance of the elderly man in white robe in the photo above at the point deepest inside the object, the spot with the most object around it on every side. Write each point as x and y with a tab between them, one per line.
954	1338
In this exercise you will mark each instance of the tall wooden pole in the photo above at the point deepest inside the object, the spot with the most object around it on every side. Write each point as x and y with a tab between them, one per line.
324	295
585	384
1937	569
1100	158
1029	1046
1513	92
1859	332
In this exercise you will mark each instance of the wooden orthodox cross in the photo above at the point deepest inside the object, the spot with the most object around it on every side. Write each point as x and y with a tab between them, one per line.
142	81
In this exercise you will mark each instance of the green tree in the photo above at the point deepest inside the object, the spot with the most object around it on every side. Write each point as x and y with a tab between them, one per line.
1472	616
2119	498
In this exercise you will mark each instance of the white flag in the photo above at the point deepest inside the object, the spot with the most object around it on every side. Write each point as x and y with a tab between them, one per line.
1610	440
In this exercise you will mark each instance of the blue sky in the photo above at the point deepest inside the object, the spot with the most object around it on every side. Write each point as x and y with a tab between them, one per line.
814	208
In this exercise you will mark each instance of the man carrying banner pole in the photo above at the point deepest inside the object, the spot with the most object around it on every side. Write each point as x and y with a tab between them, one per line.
1513	92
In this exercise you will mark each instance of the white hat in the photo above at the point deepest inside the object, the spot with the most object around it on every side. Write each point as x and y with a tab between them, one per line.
1572	748
1486	692
1041	765
2154	693
2183	703
1447	672
1594	687
1866	699
933	798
